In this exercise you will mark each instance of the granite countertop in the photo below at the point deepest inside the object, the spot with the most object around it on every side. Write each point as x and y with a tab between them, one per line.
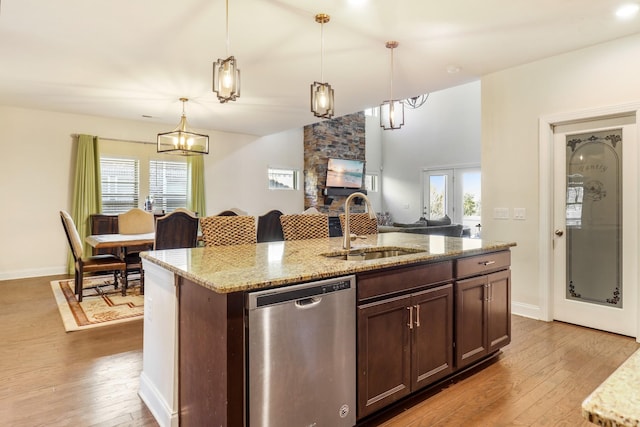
226	269
616	402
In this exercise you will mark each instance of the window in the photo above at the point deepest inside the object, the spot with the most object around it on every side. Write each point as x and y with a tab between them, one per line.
371	182
119	183
168	184
283	179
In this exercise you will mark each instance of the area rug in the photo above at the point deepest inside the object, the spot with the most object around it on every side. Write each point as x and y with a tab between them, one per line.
101	305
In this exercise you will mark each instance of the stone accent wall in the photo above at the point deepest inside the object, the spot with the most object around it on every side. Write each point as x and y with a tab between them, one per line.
341	138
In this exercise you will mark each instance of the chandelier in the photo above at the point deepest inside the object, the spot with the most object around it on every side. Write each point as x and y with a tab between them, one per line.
181	140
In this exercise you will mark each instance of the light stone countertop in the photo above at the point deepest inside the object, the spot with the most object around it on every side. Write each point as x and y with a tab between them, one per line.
616	402
226	269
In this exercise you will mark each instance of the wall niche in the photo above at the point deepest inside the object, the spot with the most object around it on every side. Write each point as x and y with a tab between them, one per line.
340	138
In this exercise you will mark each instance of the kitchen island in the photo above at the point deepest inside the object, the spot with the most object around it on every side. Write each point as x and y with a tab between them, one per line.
616	402
195	312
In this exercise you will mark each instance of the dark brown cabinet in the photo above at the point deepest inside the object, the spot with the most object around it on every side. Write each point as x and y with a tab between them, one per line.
405	339
483	306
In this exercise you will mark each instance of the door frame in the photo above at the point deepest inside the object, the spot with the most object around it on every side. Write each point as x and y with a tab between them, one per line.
546	190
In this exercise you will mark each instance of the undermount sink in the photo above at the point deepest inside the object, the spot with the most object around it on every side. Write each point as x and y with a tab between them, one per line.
363	255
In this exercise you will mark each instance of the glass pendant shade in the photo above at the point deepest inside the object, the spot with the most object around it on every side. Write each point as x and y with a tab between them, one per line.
181	140
392	114
226	79
322	100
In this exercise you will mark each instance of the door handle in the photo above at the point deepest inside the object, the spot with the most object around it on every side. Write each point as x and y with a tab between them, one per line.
559	232
417	306
410	324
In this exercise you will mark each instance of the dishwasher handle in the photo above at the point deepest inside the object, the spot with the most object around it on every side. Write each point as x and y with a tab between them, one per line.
310	302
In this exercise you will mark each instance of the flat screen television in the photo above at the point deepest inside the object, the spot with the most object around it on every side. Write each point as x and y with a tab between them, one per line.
342	173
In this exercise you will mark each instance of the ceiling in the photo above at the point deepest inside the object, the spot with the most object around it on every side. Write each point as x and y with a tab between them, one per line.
134	59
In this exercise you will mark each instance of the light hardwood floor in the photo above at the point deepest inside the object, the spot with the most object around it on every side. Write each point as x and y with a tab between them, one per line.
90	378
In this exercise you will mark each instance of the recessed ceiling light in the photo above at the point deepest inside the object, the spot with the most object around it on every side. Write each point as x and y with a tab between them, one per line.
627	11
453	69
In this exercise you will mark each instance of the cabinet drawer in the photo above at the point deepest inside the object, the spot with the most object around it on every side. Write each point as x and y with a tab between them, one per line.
370	285
481	264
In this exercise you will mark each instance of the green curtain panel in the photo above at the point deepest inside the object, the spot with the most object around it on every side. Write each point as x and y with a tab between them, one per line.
87	193
195	193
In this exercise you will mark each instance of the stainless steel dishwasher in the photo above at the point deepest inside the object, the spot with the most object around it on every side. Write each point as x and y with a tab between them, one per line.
302	355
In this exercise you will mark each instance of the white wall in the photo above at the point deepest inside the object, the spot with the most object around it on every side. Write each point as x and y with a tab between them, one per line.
36	179
445	131
512	103
373	154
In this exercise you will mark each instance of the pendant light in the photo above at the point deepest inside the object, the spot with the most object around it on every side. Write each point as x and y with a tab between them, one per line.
183	141
416	102
226	75
321	92
392	111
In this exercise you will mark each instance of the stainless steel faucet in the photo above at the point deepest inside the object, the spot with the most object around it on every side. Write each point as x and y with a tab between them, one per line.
346	240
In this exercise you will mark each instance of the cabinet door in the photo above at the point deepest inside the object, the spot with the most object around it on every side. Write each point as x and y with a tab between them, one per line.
471	320
499	310
384	357
432	338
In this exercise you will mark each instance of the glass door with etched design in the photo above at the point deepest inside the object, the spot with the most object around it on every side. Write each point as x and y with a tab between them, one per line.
595	241
594	218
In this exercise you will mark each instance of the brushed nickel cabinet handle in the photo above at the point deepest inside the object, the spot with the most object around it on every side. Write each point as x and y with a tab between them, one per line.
417	306
410	324
486	263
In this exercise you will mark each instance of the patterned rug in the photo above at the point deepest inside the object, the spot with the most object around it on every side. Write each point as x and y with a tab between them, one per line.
101	305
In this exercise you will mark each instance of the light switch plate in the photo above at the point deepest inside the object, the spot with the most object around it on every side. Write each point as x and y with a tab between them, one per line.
501	213
519	213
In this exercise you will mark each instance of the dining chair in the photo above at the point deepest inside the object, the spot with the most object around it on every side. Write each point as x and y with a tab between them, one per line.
178	229
304	226
90	264
269	227
360	224
228	230
135	221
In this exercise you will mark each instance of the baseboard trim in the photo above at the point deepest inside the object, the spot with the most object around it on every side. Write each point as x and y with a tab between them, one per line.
526	310
33	272
156	404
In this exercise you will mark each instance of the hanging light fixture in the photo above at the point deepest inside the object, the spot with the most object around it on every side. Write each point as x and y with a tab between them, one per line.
391	111
226	75
416	101
181	140
322	93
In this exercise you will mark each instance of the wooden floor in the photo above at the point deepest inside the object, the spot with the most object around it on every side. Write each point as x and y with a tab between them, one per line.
90	378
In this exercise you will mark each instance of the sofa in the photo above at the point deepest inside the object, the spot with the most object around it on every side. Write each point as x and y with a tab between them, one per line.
440	227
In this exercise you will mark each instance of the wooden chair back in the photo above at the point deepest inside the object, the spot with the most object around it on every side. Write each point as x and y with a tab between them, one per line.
75	242
269	227
304	226
176	230
228	230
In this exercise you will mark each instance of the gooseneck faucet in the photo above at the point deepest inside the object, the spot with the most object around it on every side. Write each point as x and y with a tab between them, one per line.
346	240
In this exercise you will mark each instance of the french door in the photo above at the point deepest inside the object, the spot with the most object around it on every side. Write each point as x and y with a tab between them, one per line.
454	192
596	224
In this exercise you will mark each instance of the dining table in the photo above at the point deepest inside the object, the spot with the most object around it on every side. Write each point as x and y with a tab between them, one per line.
120	241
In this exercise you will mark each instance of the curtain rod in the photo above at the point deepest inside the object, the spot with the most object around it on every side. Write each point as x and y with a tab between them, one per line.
75	135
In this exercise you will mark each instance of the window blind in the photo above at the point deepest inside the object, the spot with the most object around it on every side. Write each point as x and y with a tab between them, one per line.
119	183
168	184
